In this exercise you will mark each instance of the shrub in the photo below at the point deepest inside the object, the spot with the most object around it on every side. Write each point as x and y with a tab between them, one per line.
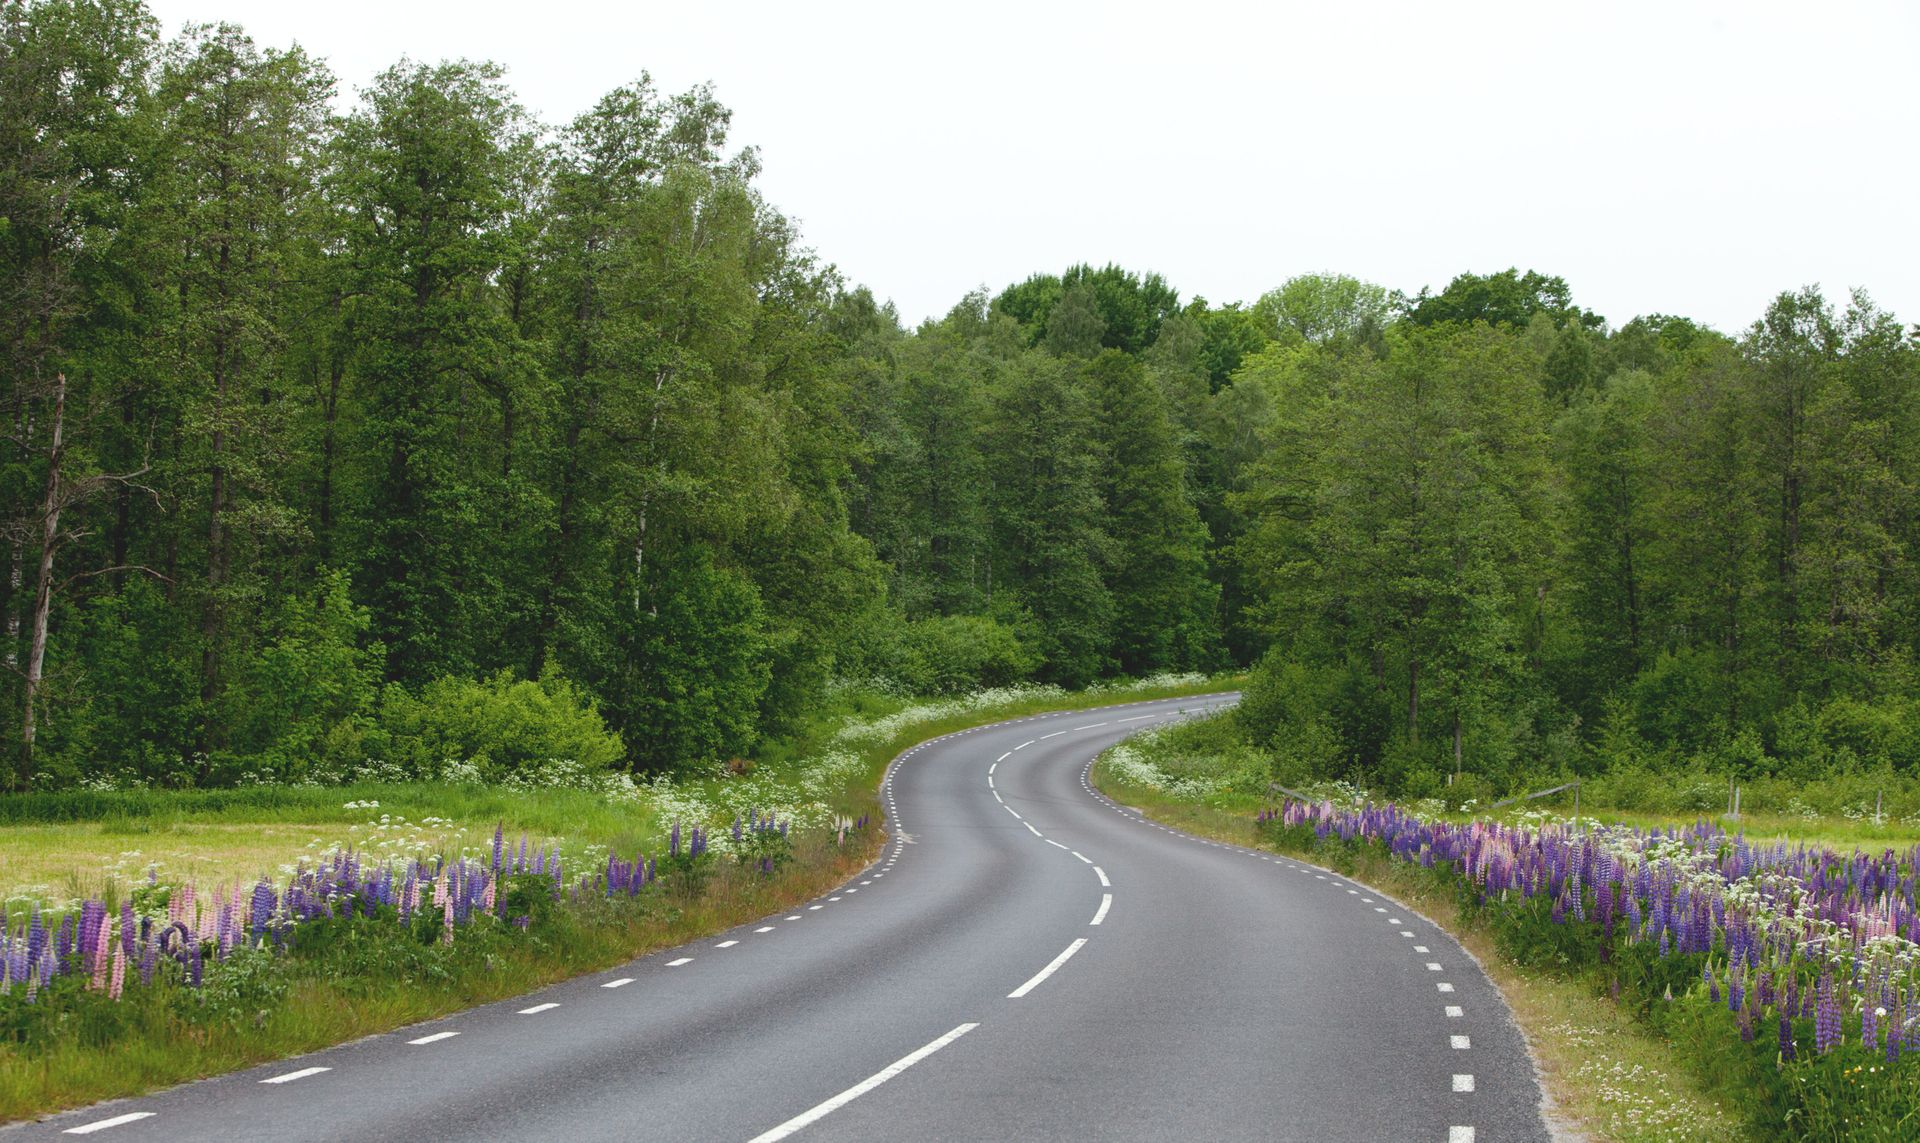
954	654
500	726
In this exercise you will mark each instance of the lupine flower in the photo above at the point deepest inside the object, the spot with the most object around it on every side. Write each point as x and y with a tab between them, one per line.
117	978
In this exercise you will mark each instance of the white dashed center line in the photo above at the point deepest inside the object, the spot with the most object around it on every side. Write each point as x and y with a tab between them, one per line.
103	1124
1106	900
726	944
679	962
1460	1043
536	1009
1463	1083
1044	973
303	1073
439	1036
821	1111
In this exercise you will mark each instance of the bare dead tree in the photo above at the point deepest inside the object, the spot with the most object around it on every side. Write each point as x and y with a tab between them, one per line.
61	492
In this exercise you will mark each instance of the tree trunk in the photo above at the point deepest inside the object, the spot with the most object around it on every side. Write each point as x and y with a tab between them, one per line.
210	617
43	589
1413	701
1456	743
17	557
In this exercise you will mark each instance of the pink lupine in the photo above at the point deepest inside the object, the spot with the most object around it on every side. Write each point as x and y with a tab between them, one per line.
443	900
101	956
118	979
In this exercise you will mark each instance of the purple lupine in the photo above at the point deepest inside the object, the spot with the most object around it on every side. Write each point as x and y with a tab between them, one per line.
1826	1022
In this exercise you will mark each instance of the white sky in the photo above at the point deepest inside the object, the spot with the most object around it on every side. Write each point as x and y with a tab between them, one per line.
1680	157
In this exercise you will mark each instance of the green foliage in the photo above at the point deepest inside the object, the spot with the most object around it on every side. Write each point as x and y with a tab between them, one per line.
1505	298
683	678
954	654
304	703
499	726
1130	307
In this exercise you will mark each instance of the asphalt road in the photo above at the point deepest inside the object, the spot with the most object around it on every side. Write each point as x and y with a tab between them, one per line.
1025	961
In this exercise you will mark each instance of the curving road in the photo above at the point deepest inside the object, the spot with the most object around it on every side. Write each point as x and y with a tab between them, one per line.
1026	960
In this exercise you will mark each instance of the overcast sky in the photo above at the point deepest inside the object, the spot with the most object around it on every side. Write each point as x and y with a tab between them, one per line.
1689	158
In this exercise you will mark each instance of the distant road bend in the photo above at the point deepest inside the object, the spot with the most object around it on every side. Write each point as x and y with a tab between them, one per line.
1026	960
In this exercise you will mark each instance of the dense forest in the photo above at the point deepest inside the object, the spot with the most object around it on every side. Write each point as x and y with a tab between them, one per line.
339	427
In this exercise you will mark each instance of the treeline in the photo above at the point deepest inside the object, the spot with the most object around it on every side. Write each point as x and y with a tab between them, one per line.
1504	541
365	434
318	414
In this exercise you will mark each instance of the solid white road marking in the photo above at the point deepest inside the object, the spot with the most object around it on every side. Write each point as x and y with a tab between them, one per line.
1103	877
1460	1043
1463	1083
1454	1012
1106	900
103	1124
439	1036
537	1009
1044	973
303	1073
679	962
